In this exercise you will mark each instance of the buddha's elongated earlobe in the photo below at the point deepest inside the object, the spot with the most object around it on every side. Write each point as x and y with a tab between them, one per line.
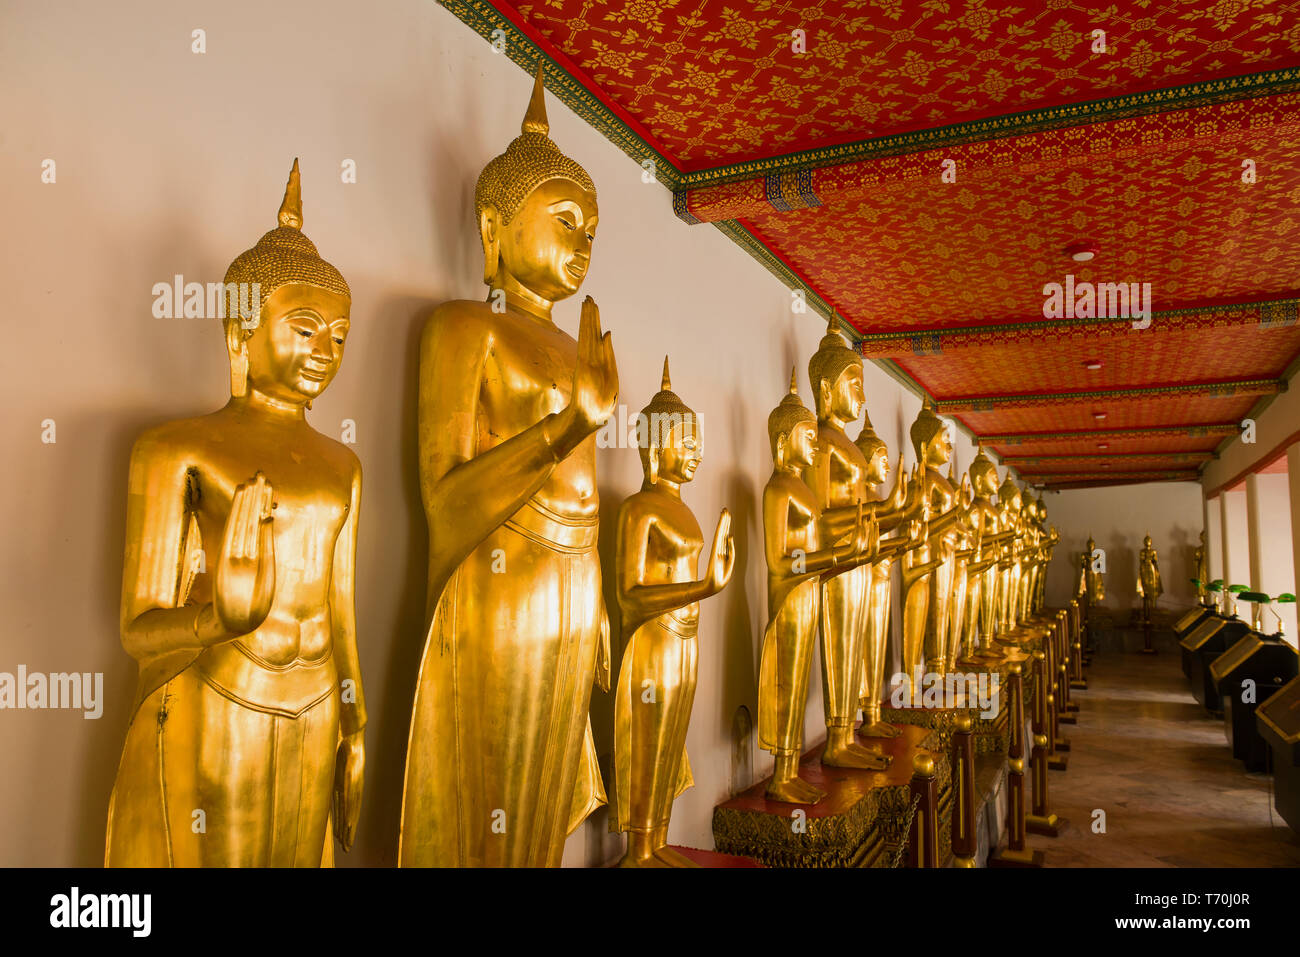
237	347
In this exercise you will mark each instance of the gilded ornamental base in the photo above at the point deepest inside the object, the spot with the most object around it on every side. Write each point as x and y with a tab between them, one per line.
861	822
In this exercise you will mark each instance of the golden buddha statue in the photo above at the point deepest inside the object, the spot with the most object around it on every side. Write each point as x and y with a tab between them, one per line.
1009	501
250	685
1149	585
500	764
888	512
1094	581
968	548
927	601
659	545
1049	539
981	568
797	556
838	479
1201	563
1029	562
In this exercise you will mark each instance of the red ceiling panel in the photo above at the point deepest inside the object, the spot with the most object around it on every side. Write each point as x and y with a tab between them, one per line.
717	82
1154	356
1144	414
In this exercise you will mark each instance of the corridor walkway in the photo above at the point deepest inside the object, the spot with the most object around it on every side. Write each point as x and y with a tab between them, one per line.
1158	765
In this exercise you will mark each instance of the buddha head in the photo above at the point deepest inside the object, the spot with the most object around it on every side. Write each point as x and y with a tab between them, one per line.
873	449
1009	495
835	373
536	211
983	474
294	350
670	440
792	430
930	438
1146	542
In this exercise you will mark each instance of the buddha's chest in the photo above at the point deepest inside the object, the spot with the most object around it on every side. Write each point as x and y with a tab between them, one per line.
528	374
310	502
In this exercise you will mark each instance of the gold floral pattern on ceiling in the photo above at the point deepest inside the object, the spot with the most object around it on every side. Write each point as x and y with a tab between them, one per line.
719	81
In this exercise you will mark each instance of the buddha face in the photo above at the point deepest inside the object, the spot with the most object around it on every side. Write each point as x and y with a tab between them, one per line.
984	480
800	444
547	246
846	398
877	466
297	346
938	450
682	451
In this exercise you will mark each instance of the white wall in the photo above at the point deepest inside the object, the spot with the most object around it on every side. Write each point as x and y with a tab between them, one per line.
1273	571
172	162
1118	518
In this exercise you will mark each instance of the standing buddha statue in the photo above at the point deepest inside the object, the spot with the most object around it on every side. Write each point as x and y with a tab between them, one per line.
797	556
926	612
1149	585
658	548
888	513
501	764
238	594
837	478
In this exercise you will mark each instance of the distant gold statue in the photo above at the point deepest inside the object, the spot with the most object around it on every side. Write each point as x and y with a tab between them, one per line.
838	481
888	512
796	558
1149	585
927	595
500	764
981	570
1201	563
237	594
659	545
1094	582
1009	566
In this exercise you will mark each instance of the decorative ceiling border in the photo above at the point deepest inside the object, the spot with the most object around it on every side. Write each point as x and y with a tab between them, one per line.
1213	390
1173	431
1270	314
1248	86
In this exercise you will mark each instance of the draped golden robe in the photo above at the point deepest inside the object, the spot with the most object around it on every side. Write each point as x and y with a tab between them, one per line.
479	790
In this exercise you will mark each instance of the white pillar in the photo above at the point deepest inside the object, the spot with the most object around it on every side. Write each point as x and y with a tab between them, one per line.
1254	534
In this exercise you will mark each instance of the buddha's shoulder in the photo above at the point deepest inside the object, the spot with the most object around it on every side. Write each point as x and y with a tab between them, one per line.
174	438
462	319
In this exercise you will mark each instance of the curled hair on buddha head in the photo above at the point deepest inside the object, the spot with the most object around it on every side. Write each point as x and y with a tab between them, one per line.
829	362
788	413
664	413
284	255
530	160
868	442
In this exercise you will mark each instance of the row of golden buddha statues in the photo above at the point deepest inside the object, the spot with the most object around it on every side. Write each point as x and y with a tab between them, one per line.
245	741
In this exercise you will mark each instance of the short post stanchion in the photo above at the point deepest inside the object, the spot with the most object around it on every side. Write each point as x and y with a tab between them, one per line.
963	782
1041	820
923	839
1016	853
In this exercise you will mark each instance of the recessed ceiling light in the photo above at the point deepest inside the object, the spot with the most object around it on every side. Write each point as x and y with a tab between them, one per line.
1105	465
1092	365
1082	252
1099	416
1103	445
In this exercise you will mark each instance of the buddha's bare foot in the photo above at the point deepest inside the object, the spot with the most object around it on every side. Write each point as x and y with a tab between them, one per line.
853	755
794	791
879	729
667	857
